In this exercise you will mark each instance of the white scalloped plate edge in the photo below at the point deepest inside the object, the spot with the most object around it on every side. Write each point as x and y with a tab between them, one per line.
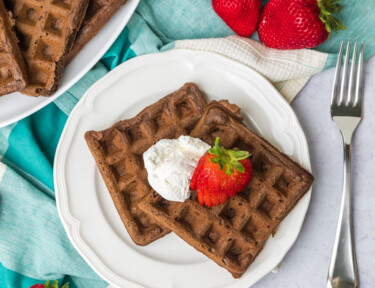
72	225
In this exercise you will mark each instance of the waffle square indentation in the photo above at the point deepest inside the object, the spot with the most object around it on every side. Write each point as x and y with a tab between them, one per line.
29	15
142	220
53	25
234	253
216	239
283	185
131	191
183	109
193	224
261	165
253	229
162	120
266	207
235	213
227	135
5	73
45	51
39	77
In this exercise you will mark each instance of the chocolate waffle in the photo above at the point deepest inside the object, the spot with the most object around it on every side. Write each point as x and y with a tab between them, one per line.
46	30
234	233
13	74
118	152
98	14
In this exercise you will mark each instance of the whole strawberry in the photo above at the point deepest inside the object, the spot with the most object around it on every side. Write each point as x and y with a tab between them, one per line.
296	24
48	284
220	174
241	16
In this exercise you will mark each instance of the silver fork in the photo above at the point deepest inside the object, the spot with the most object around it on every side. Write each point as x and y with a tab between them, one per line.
346	112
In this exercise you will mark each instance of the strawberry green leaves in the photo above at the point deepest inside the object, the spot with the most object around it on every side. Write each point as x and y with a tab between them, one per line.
327	8
55	284
220	174
239	167
228	159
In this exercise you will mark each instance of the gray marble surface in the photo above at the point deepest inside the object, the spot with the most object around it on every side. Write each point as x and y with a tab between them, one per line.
306	264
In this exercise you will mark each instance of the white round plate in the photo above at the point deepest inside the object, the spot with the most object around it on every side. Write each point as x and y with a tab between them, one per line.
15	106
85	206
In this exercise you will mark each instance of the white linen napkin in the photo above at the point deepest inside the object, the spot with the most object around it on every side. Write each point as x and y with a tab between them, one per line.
287	70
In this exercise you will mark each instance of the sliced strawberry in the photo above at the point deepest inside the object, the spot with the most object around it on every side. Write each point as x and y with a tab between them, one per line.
220	174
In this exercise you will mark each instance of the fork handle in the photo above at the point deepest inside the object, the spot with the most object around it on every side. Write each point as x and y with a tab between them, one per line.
343	267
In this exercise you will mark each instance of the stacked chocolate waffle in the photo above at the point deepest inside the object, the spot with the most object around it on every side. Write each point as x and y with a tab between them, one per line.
231	234
47	31
118	153
234	233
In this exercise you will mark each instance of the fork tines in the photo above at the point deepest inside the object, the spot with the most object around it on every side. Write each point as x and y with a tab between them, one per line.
347	89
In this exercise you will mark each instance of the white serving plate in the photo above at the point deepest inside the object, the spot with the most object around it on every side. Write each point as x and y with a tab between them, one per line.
84	204
15	106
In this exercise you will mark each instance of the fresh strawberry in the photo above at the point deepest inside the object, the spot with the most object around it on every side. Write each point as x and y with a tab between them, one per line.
241	16
48	284
220	174
296	24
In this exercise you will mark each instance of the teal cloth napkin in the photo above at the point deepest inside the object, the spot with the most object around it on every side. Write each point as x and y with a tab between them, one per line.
33	243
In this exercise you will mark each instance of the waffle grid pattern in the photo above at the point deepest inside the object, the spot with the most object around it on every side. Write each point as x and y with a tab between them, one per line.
118	152
234	233
12	76
46	30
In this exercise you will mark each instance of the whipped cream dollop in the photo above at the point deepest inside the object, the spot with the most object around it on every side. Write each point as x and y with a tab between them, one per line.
170	165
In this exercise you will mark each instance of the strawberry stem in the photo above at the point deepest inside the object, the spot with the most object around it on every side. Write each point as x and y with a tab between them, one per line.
55	284
327	8
228	159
